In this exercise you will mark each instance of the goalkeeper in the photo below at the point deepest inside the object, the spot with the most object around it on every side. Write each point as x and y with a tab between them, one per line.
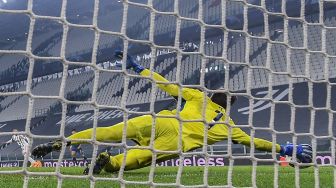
167	133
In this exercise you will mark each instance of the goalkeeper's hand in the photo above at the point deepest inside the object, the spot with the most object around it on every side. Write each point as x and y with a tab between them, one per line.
130	62
304	152
3	145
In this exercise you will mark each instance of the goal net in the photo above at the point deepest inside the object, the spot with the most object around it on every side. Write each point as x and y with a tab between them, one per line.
58	75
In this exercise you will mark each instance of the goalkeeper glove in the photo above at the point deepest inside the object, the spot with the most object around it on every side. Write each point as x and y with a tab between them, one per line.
304	152
130	62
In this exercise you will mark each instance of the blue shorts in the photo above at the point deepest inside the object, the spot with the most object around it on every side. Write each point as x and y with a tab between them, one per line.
76	148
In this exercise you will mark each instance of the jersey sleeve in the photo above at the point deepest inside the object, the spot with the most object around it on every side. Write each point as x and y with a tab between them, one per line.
4	145
9	141
173	89
241	137
26	139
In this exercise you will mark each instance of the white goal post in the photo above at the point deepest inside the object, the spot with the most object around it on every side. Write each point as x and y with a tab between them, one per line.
273	55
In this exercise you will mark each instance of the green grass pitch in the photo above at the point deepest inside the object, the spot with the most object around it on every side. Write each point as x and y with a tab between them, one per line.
190	176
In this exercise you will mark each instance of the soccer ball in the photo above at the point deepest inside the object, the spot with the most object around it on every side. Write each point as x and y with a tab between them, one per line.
36	164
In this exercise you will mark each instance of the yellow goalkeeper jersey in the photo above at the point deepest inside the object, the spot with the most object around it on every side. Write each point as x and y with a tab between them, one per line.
200	113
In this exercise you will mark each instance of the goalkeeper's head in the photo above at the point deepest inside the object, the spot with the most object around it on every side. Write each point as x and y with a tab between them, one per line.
222	99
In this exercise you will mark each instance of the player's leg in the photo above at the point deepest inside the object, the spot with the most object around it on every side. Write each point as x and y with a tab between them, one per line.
25	152
139	158
137	129
33	163
31	160
73	152
81	152
135	159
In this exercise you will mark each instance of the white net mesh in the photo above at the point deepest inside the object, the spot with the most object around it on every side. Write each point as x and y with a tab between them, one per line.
279	58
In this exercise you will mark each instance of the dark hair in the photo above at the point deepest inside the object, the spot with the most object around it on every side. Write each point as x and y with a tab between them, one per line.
73	130
221	99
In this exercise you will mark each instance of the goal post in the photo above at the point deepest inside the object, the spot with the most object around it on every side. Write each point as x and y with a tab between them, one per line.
277	57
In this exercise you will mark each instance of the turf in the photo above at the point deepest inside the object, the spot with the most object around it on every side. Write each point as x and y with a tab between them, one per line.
191	176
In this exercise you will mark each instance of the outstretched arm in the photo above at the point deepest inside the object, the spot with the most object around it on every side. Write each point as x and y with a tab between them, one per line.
303	153
239	136
4	145
172	89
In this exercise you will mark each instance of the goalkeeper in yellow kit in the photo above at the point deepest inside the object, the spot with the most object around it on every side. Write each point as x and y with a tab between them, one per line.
167	126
